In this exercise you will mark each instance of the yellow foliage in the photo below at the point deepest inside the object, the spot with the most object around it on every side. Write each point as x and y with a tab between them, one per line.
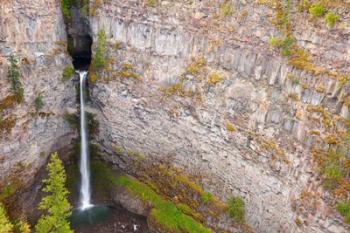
8	102
214	78
230	127
226	9
196	66
294	96
93	77
332	139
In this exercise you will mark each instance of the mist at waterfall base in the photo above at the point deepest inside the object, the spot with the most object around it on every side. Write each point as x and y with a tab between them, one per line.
86	213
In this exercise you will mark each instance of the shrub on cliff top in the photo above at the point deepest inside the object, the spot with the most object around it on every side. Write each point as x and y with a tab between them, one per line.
55	203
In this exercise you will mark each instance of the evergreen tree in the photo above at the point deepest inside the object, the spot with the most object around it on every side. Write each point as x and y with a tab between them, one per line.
55	203
14	77
99	61
5	224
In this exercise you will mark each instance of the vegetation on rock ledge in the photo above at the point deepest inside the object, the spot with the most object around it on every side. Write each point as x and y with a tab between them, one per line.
14	78
236	209
164	214
65	8
39	103
98	62
68	73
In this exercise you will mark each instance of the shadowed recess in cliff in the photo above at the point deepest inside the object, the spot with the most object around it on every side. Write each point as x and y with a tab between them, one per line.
78	32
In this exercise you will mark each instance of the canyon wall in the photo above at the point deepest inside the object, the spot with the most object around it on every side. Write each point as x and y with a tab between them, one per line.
187	83
207	93
34	32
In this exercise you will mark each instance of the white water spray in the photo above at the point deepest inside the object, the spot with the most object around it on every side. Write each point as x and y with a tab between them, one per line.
85	190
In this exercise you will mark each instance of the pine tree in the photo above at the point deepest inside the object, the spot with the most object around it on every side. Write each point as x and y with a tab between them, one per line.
5	224
14	77
55	203
99	61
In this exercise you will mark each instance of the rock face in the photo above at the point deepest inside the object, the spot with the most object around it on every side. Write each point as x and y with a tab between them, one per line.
34	32
187	85
131	203
216	101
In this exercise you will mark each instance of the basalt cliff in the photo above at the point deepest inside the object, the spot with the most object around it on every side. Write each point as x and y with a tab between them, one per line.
249	97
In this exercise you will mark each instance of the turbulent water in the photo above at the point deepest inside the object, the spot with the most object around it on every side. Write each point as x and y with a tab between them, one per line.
85	189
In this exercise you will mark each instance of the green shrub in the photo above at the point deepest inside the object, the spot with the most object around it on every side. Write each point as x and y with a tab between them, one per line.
331	19
68	73
344	209
6	192
332	171
236	209
14	78
317	10
92	124
72	120
275	42
206	197
39	103
285	45
84	10
99	60
65	8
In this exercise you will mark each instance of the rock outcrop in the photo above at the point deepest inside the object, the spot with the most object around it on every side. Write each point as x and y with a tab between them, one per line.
34	32
206	92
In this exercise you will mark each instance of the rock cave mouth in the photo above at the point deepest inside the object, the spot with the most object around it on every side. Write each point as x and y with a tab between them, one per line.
80	51
79	36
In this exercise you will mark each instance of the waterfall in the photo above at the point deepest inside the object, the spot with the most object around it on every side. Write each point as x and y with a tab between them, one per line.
85	190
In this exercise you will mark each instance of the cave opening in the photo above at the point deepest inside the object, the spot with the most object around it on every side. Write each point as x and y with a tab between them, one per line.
80	50
79	36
